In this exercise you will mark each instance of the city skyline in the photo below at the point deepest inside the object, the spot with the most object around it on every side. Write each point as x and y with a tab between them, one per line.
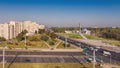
105	13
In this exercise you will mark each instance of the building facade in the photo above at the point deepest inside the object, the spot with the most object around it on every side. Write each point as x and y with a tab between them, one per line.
13	28
4	32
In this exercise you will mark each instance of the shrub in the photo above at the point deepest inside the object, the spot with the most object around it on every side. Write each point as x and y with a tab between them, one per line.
21	35
33	38
44	38
53	35
51	43
2	39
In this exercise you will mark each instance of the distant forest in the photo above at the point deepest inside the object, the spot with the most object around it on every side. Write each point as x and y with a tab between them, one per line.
109	33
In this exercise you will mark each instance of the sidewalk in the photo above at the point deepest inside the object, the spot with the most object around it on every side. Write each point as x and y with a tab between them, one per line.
38	49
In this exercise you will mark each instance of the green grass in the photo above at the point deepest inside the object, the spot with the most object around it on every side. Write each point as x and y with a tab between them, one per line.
61	46
112	42
74	36
21	44
93	37
47	65
108	41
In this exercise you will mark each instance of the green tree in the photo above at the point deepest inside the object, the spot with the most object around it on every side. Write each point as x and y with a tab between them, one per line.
21	35
53	35
2	39
51	43
33	38
41	31
36	32
44	38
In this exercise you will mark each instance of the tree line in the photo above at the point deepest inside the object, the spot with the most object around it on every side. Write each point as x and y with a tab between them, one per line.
109	33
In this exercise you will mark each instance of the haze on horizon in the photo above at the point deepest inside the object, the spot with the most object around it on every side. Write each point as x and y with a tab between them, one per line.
102	13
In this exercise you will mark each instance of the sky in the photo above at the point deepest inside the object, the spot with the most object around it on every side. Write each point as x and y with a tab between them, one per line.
61	13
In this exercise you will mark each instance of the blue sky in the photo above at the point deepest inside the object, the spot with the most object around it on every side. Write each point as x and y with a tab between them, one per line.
62	12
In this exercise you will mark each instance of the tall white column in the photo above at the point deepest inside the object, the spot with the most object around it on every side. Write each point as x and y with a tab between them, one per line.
4	57
94	60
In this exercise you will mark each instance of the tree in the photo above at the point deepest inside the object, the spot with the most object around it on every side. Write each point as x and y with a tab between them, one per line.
33	38
51	43
44	38
53	35
41	31
36	32
21	35
2	39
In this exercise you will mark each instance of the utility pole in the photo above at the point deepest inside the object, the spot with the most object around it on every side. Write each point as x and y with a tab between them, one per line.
3	57
25	40
94	60
3	64
65	42
79	28
101	62
110	59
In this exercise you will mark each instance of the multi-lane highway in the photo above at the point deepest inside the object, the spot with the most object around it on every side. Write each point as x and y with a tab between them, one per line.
113	58
27	52
30	59
43	57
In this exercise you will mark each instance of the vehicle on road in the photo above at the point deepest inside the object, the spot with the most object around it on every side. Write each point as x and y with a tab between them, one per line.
105	53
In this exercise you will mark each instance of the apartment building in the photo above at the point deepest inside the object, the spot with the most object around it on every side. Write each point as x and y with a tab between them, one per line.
13	28
4	32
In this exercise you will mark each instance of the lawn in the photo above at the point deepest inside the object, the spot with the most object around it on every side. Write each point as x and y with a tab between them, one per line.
93	37
47	65
21	44
112	42
71	35
61	46
108	41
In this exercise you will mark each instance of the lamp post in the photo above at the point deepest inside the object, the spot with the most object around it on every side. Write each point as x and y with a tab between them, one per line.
94	57
25	39
110	59
3	64
65	42
94	60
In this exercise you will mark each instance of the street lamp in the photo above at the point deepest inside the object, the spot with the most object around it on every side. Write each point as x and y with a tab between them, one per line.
25	38
65	42
110	59
4	57
94	59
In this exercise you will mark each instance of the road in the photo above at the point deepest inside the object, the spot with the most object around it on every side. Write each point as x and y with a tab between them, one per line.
10	52
48	59
113	58
43	57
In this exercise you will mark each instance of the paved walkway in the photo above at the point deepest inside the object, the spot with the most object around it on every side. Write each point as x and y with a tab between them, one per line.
38	49
83	36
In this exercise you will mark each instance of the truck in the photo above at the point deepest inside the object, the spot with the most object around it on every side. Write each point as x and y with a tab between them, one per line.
105	53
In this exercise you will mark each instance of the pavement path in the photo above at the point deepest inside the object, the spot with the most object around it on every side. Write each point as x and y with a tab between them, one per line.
83	36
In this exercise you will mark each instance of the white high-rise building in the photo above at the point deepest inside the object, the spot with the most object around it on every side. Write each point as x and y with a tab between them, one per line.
13	28
4	32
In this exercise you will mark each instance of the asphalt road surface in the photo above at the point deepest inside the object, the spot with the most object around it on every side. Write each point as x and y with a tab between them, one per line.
27	59
43	57
41	53
113	58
